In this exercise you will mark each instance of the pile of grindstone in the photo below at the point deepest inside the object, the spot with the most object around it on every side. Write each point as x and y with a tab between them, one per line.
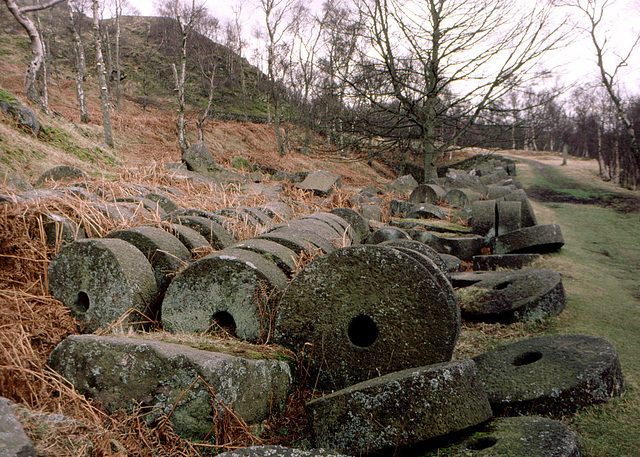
374	317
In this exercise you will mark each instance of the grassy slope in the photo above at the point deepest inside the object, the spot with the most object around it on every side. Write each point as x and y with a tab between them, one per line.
599	264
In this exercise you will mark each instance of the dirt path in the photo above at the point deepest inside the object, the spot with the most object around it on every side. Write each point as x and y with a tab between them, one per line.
561	188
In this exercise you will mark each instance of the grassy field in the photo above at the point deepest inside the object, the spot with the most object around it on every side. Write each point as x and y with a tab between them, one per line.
600	266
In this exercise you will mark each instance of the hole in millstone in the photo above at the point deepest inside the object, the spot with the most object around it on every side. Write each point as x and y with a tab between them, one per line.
225	321
502	285
82	302
363	332
527	358
484	442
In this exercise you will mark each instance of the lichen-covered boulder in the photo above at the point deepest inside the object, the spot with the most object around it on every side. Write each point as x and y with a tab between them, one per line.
550	375
400	408
198	158
320	182
61	173
14	442
358	223
172	379
402	185
516	437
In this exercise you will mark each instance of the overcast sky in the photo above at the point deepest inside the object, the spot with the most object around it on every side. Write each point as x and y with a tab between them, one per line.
576	63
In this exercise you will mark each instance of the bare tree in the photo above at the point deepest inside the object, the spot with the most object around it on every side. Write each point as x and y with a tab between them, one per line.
37	48
102	76
440	63
594	11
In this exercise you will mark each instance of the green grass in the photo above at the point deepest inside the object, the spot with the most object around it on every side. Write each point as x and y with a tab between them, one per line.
63	140
599	264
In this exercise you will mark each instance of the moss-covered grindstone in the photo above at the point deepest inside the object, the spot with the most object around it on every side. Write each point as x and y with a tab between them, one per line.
191	239
515	437
346	233
166	254
461	198
463	246
217	236
535	239
387	233
364	311
61	173
283	257
298	239
550	375
427	193
100	280
278	451
358	223
422	249
173	380
513	296
400	408
231	288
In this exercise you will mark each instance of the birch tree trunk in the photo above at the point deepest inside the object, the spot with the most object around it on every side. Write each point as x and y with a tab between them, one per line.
37	48
180	81
81	68
118	5
102	78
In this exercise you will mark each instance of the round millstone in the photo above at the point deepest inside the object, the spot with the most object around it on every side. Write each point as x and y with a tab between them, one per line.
215	234
400	408
221	220
422	249
299	240
523	436
356	221
369	304
166	254
326	231
340	225
536	239
483	216
277	210
100	280
427	193
164	201
528	215
426	211
191	239
504	261
60	230
282	256
461	198
509	217
550	375
386	234
230	288
513	296
150	205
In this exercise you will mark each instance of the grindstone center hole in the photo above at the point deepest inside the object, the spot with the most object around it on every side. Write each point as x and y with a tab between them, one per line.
484	442
363	332
82	302
225	321
527	358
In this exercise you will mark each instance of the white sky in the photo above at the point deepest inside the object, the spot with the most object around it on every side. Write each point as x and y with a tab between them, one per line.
576	63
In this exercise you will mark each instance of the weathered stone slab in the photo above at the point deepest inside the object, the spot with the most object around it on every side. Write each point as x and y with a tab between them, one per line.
122	373
426	211
427	193
14	442
363	303
403	185
278	451
522	436
513	296
550	375
320	182
387	233
358	223
371	212
434	225
504	261
166	254
400	408
536	239
100	280
228	288
61	173
463	247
